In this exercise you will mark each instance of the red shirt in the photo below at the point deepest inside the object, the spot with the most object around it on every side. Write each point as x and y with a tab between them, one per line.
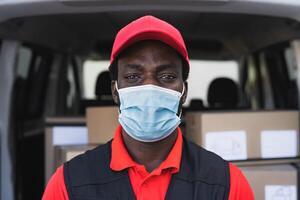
147	185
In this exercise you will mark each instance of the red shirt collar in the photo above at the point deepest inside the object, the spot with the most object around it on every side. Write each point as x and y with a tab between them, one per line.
120	158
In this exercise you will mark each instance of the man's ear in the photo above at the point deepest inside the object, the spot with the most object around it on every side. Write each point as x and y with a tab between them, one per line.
114	92
184	95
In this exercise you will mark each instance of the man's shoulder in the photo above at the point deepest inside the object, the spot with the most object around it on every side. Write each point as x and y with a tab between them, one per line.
202	155
89	166
205	166
94	153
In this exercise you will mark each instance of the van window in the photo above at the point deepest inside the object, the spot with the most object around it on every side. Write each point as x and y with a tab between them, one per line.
291	62
37	82
265	79
23	61
201	75
269	78
72	88
91	71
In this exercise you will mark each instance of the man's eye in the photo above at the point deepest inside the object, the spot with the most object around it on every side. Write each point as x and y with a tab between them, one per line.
168	77
132	76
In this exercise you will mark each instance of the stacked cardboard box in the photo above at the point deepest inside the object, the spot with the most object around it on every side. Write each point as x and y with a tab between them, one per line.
246	135
273	182
247	138
62	131
102	123
250	139
67	137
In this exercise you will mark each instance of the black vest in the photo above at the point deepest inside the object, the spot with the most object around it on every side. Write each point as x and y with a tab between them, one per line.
202	176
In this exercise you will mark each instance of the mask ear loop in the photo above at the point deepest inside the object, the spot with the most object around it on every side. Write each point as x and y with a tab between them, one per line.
183	90
116	86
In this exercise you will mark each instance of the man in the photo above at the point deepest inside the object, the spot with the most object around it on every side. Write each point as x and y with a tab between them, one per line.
148	158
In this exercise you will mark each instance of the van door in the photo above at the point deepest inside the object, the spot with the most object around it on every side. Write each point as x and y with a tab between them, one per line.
33	66
8	54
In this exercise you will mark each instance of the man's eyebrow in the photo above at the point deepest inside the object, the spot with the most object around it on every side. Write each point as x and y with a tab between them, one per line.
134	66
166	66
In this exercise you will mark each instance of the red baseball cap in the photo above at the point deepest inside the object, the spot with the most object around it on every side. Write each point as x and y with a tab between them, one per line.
148	28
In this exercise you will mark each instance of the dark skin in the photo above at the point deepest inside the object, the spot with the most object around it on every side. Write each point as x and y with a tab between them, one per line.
149	62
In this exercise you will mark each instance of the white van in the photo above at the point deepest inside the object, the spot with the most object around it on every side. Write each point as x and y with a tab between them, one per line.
45	45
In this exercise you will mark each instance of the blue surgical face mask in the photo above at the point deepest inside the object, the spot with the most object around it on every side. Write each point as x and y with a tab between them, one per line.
148	113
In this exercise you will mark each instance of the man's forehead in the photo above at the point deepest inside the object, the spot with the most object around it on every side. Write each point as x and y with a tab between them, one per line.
154	47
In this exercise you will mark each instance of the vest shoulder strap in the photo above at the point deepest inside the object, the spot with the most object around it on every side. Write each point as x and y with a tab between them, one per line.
203	171
91	168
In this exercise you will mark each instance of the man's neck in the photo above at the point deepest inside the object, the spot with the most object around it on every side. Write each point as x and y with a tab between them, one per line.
152	154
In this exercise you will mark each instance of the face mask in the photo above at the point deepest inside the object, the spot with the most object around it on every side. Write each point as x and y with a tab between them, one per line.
148	113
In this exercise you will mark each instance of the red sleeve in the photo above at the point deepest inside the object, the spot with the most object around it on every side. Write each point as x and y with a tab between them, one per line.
56	189
239	186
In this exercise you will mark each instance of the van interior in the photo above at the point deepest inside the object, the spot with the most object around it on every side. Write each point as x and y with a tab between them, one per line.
54	49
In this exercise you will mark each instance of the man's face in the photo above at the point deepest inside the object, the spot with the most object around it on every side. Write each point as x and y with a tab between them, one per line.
149	62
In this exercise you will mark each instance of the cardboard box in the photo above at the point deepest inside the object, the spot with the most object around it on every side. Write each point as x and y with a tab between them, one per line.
62	131
246	135
102	123
66	153
273	182
63	134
